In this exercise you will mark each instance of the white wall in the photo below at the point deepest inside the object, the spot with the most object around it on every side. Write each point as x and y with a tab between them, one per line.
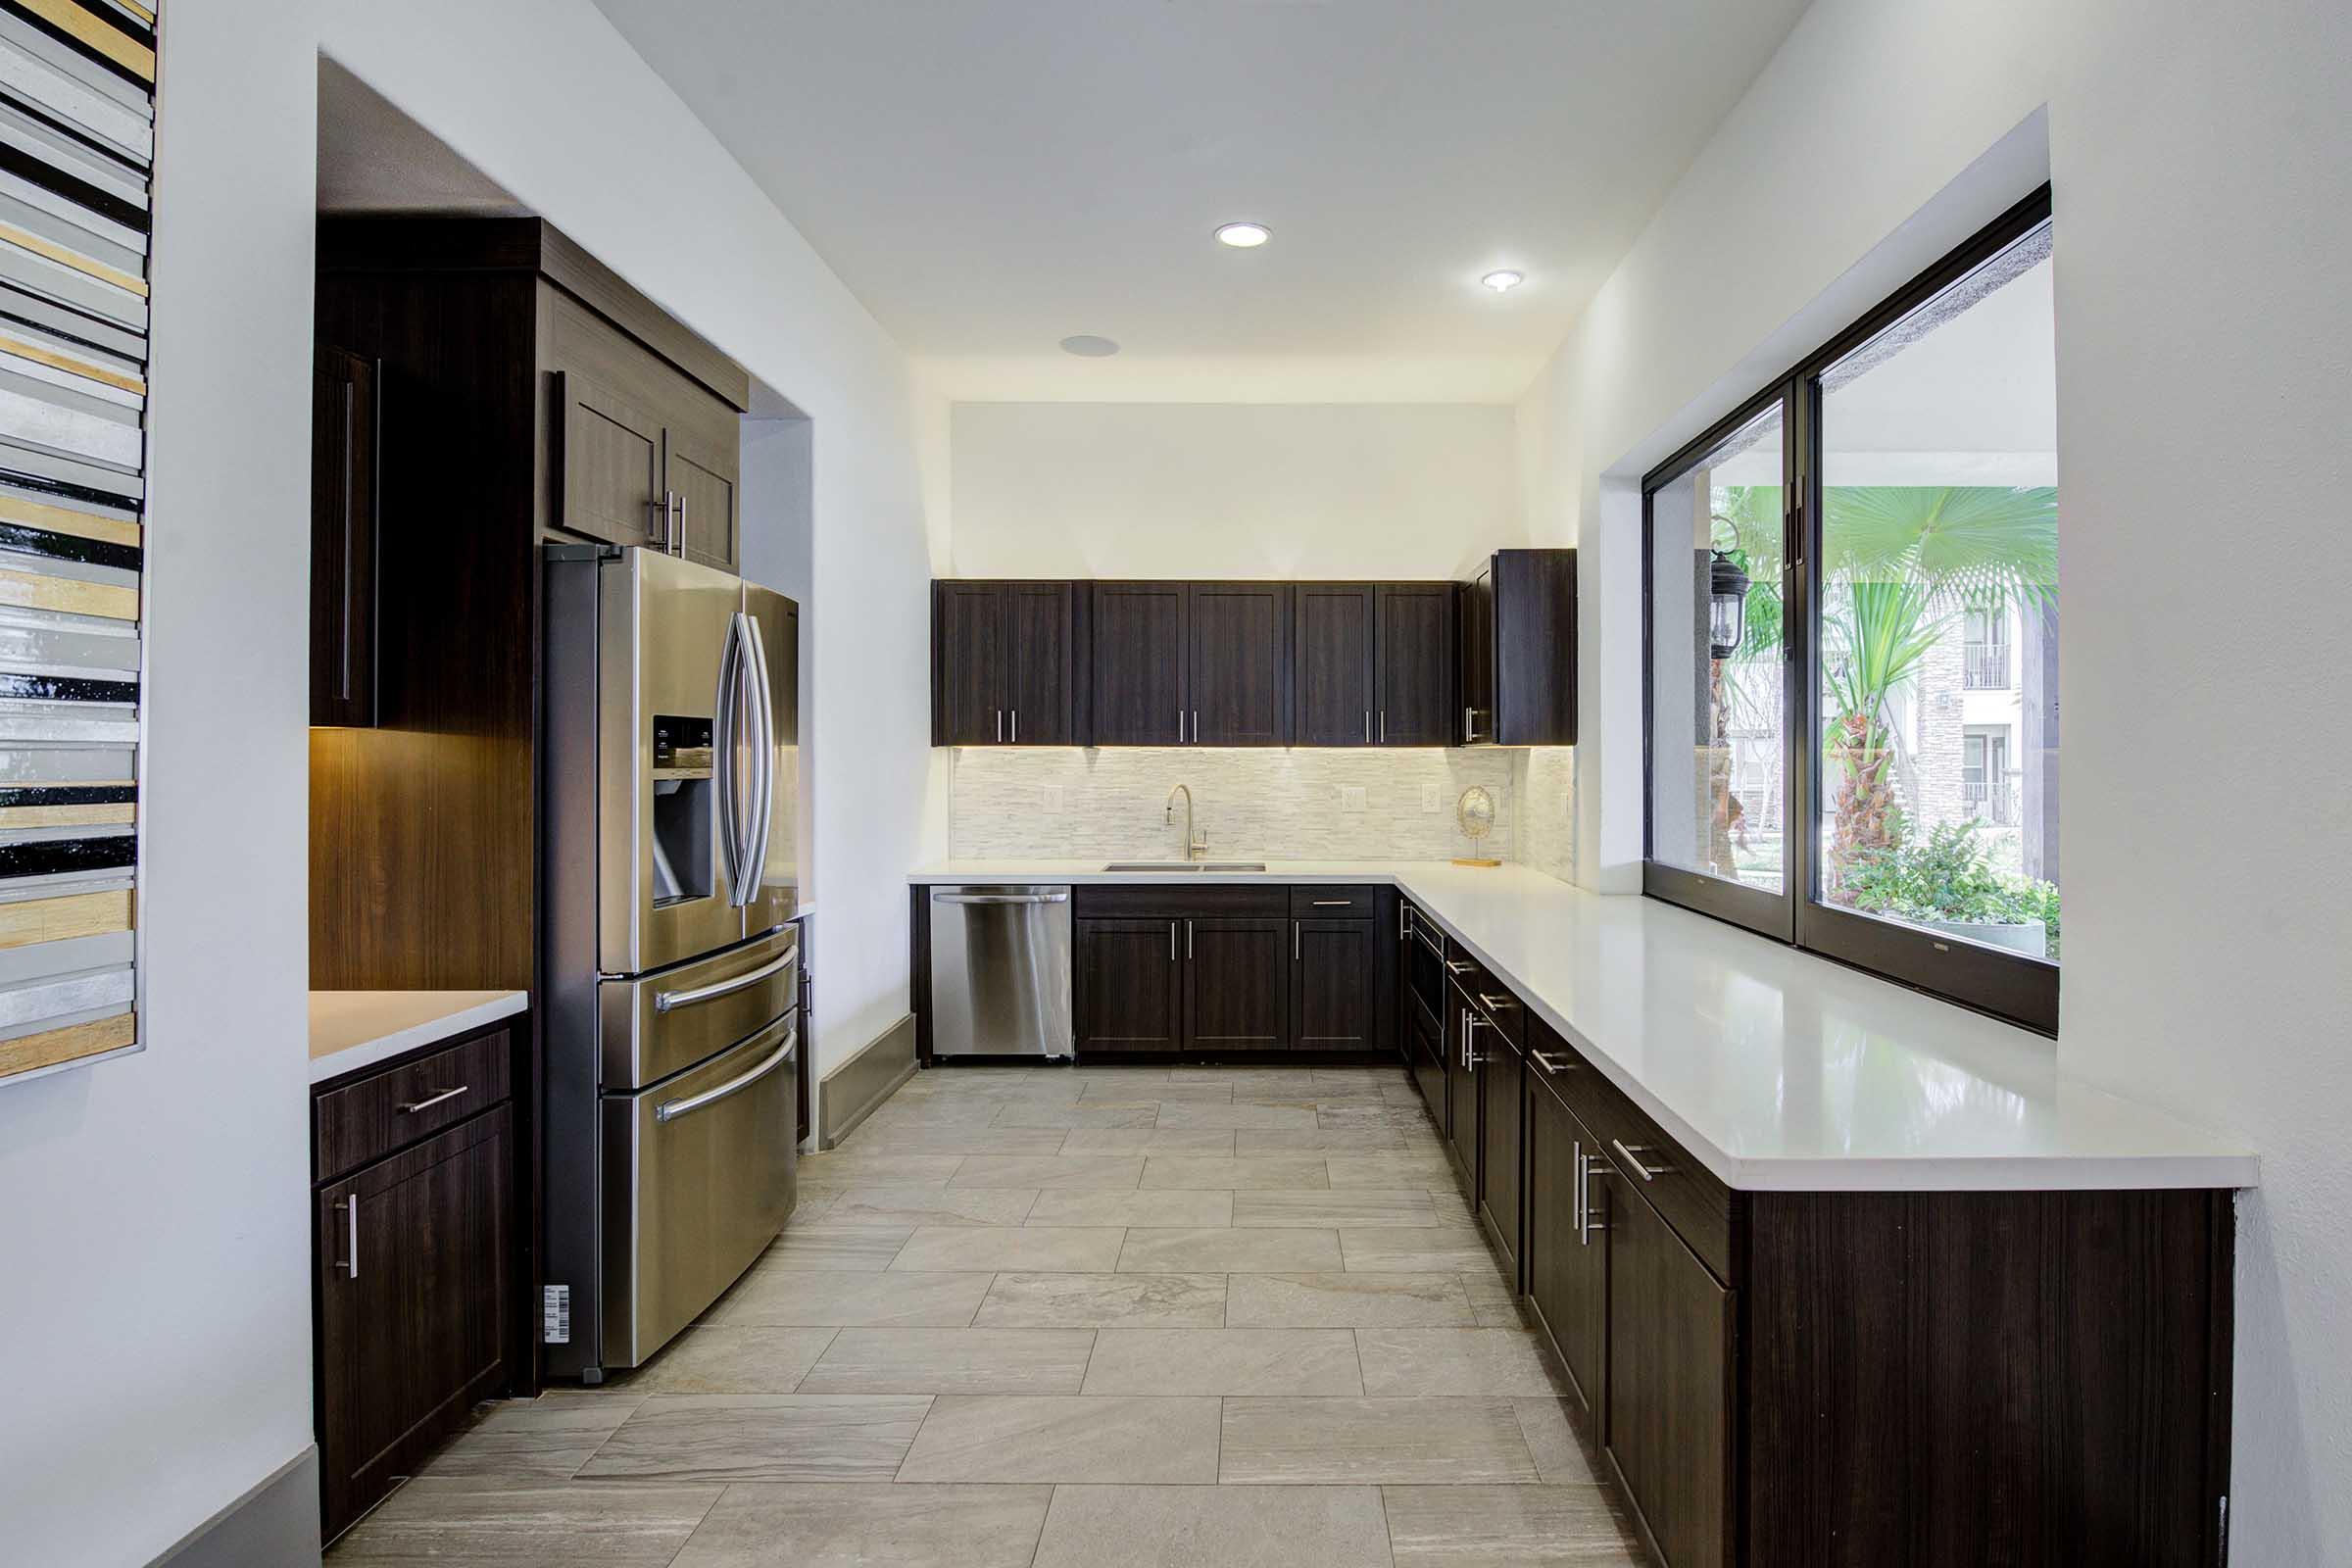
545	98
154	1239
1229	490
2203	200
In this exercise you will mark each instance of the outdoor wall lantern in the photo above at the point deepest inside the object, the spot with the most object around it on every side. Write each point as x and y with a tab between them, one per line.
1727	604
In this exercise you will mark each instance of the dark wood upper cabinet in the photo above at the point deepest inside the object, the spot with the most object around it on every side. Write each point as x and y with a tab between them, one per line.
1334	977
1041	675
969	663
701	479
1237	991
1129	985
1236	683
1667	1423
344	432
1332	669
1414	690
1141	633
1001	663
1518	641
612	487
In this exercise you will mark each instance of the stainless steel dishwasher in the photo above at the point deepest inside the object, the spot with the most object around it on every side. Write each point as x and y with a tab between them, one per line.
1001	971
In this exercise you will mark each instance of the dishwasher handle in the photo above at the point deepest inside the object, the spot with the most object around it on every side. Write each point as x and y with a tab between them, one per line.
1000	898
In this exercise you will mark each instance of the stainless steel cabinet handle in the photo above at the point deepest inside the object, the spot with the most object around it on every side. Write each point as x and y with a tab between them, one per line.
1383	726
1550	1064
1196	726
1459	966
1576	1201
1017	726
1405	921
446	1095
682	522
1171	942
1593	1168
670	1110
1187	941
1180	726
350	1236
1502	1003
1000	898
999	713
1367	726
665	1001
1633	1157
1332	904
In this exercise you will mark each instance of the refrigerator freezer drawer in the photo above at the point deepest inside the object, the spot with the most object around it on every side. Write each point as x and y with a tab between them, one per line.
652	1027
698	1180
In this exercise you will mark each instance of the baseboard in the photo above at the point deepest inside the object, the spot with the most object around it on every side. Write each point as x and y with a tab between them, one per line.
273	1525
849	1094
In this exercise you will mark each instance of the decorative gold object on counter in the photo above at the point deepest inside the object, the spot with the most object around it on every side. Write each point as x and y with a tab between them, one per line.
1474	813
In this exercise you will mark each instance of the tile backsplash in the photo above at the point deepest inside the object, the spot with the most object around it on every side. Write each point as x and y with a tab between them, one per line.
1544	788
1272	804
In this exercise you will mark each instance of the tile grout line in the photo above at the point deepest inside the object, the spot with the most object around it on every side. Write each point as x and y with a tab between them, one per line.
700	1520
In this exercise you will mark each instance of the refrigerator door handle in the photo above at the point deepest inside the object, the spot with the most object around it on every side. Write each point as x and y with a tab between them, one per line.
722	756
755	850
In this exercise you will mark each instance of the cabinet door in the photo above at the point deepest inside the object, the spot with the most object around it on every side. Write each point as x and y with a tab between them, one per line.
1477	658
414	1305
1129	985
1334	975
343	468
1565	1265
1667	1422
1502	1088
1462	1095
1037	675
969	663
1425	1057
1333	702
1237	994
1415	697
1138	660
702	481
1531	638
1238	684
612	487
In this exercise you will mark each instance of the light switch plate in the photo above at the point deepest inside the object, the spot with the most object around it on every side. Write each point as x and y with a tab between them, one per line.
1052	799
1429	798
1352	797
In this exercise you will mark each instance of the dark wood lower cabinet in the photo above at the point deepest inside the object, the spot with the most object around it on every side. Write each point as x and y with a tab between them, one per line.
416	1306
1462	1095
1334	972
1502	1075
1130	985
1237	994
1566	1267
1667	1426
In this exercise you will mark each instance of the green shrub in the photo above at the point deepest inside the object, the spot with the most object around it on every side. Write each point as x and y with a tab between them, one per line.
1950	877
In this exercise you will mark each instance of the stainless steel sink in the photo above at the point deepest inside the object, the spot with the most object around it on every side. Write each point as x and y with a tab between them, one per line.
1186	865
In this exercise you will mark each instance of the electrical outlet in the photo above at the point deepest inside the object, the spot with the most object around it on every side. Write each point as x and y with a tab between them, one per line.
1352	797
1052	799
1429	798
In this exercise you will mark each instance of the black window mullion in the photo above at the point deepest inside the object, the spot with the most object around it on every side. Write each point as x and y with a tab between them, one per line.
1800	765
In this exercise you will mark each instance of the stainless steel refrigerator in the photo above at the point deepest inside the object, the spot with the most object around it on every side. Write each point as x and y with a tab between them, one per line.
673	1040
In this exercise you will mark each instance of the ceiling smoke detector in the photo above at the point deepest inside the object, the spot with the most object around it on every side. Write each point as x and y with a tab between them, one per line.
1087	346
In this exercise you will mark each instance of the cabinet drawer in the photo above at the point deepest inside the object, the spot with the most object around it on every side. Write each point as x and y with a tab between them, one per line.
395	1108
1686	1193
1334	903
1180	899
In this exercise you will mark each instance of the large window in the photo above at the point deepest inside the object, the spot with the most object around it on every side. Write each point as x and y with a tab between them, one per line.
1852	642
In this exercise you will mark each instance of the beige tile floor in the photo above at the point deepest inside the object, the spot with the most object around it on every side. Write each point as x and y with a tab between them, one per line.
1191	1317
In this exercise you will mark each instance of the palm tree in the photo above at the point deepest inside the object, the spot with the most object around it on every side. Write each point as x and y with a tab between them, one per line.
1893	555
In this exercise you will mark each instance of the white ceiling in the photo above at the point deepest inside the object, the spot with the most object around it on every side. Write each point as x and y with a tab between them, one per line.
993	177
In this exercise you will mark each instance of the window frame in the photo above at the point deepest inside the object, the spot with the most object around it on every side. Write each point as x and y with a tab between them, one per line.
2009	986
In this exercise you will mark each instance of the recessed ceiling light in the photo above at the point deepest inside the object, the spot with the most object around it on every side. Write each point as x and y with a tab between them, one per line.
1243	236
1502	279
1087	346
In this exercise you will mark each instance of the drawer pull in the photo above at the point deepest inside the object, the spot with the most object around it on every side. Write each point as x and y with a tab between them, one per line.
1504	1003
1550	1063
1333	903
665	1001
446	1095
1633	1157
1458	966
1587	1169
670	1110
350	1234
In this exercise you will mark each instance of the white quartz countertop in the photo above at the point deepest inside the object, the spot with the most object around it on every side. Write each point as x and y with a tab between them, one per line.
1777	1070
355	1029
